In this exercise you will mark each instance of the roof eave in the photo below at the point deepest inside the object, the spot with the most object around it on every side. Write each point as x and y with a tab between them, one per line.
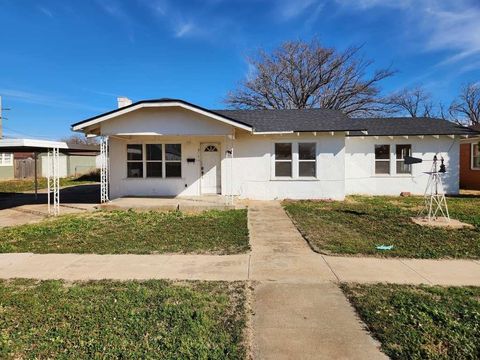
80	126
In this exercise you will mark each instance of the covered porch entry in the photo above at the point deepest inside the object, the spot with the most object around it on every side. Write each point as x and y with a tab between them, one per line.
189	167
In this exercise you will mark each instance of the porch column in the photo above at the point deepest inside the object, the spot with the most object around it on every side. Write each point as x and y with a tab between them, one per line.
104	170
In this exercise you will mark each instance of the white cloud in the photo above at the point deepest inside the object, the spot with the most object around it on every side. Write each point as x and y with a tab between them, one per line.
114	9
289	9
42	99
45	11
183	29
448	25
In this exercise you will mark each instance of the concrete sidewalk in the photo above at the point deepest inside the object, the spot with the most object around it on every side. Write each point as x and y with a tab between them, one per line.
259	266
311	268
124	267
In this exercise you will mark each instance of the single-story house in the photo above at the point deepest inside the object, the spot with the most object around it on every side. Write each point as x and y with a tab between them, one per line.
470	162
170	147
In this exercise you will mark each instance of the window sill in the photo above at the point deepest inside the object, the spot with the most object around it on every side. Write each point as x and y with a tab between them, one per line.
294	179
392	176
153	178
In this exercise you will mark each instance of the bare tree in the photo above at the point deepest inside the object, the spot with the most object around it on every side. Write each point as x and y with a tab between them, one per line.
300	75
467	105
77	139
415	102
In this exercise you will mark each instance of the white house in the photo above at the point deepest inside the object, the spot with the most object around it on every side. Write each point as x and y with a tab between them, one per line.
170	147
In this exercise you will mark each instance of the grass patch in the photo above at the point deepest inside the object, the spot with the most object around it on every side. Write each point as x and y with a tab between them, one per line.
129	320
22	185
130	232
420	322
358	224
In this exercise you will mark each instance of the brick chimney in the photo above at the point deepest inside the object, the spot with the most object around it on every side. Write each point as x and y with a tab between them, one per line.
123	101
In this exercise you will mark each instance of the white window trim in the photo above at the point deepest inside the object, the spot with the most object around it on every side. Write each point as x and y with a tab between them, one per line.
399	160
472	167
295	160
163	161
389	160
6	160
393	162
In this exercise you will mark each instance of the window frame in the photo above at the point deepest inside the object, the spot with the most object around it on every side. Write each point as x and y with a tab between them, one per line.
163	161
295	160
397	160
314	160
136	161
472	162
275	160
3	157
389	160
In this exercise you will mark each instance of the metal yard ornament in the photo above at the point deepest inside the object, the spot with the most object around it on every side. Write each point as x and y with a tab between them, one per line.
435	203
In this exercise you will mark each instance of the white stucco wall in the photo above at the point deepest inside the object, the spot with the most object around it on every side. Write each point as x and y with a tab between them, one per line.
360	165
344	165
254	175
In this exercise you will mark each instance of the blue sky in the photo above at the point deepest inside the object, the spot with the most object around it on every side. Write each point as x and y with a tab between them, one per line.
64	60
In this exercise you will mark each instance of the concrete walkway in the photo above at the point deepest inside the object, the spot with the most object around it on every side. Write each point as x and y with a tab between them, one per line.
299	313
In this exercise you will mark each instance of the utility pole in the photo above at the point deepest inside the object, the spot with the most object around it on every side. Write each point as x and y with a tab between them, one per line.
1	128
2	118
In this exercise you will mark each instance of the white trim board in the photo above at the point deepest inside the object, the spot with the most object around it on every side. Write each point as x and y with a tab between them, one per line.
160	105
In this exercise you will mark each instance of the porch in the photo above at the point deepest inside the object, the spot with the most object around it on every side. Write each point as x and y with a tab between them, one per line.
183	203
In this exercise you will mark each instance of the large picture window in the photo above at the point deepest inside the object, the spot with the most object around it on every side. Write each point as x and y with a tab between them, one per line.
382	159
307	164
160	160
283	159
402	151
134	160
475	157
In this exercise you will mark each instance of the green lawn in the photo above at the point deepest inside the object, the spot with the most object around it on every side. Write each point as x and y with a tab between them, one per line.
420	322
358	224
15	186
130	232
122	320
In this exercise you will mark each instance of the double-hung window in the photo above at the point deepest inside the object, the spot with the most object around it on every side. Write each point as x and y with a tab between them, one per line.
173	160
134	160
307	154
402	151
382	159
283	160
6	159
475	157
154	160
295	160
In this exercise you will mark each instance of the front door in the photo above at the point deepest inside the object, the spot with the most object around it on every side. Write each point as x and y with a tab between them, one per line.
210	168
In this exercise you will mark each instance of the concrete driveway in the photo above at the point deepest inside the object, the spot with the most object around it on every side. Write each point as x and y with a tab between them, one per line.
25	208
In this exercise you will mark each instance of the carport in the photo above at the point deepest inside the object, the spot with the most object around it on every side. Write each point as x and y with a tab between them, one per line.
53	150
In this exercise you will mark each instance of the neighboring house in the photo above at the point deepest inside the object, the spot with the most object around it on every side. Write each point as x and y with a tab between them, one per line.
6	166
21	165
170	147
470	162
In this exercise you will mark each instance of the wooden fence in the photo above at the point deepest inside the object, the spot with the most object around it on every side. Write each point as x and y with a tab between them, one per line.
24	168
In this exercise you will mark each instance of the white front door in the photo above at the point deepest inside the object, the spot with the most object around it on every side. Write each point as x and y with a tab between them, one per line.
210	168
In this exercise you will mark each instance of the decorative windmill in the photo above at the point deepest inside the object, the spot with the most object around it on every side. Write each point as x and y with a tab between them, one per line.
435	202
